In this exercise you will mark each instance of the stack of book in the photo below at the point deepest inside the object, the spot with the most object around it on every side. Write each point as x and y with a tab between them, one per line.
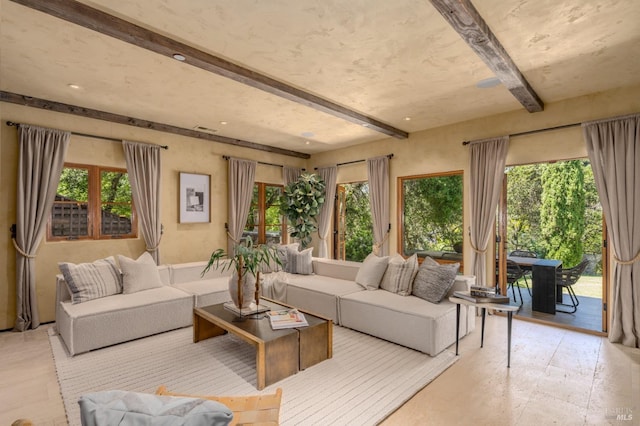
287	318
479	294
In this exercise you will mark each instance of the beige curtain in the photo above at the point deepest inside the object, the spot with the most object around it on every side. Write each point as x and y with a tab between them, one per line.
144	169
290	174
242	175
487	160
378	174
329	175
40	164
614	151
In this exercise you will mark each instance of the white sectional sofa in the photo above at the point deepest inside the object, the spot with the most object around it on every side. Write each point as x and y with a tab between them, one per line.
330	291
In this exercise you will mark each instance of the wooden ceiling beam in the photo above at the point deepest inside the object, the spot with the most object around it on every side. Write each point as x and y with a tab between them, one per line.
466	21
29	101
97	20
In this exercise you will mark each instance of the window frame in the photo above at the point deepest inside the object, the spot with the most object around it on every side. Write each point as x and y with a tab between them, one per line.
94	207
400	212
262	213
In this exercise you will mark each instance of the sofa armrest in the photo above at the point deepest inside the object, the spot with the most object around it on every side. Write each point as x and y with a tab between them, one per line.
62	291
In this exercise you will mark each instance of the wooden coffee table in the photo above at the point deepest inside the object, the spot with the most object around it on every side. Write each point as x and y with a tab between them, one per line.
279	353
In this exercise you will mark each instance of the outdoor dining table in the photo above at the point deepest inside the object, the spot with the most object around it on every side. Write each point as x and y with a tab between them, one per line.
544	292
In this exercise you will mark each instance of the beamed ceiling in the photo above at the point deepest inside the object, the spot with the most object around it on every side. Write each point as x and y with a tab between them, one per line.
305	76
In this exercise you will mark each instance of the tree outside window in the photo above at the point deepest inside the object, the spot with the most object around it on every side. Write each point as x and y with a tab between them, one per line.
432	216
265	224
92	202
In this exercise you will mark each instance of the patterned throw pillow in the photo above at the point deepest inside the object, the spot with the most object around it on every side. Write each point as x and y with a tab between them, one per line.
299	262
140	274
434	280
88	281
400	274
371	272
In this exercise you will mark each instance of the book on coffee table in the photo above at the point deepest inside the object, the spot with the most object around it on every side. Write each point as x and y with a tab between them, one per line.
287	318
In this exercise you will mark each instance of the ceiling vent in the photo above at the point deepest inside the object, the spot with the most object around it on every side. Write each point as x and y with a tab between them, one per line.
205	129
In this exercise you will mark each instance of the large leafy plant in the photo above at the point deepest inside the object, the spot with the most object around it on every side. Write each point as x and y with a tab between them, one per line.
301	203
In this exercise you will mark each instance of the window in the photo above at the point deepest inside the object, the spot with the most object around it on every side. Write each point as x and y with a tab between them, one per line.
265	224
431	220
92	202
354	231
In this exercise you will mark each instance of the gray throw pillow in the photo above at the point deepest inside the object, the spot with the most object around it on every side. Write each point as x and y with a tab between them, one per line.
140	274
433	280
88	281
400	274
371	272
299	262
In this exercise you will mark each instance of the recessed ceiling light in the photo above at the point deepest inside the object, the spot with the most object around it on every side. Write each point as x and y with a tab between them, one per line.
407	119
73	86
179	57
307	142
488	82
365	124
223	123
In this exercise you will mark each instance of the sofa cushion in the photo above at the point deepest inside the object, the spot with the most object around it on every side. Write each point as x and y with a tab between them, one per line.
140	274
299	262
400	274
116	407
371	272
433	280
88	281
207	292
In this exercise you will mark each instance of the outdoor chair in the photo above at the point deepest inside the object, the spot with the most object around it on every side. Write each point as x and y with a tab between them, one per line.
566	278
514	274
527	270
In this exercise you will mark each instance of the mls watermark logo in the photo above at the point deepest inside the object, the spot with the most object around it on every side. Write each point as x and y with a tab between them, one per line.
619	414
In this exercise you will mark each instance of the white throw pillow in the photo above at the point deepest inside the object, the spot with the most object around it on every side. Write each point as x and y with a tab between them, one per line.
140	274
400	274
299	262
371	272
88	281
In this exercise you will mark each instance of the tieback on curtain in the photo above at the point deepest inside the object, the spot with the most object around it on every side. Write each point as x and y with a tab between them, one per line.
155	248
22	252
627	262
378	245
476	249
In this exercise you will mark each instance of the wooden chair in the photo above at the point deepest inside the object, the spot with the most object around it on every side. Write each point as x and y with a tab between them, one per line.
262	410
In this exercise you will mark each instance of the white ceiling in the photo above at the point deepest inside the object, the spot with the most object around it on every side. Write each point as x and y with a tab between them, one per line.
384	59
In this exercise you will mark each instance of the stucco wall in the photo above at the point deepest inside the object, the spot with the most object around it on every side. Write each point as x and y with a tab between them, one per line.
431	151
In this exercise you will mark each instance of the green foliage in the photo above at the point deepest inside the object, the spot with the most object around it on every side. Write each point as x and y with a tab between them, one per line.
247	258
301	203
524	196
562	212
432	213
74	184
359	228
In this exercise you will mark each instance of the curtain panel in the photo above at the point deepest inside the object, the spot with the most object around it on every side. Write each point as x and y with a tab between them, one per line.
290	174
378	176
145	174
487	161
329	175
40	164
613	147
242	175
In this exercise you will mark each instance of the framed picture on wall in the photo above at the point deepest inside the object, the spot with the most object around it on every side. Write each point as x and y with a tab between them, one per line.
195	201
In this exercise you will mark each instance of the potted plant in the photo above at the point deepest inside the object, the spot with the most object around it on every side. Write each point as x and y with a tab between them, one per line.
247	260
301	203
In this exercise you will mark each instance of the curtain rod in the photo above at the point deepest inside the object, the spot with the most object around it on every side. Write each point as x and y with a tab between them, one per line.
531	132
226	157
389	156
106	138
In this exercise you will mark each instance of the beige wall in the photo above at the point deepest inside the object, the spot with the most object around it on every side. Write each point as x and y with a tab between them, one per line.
180	242
431	151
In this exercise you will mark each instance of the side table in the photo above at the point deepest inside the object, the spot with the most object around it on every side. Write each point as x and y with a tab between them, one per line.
504	307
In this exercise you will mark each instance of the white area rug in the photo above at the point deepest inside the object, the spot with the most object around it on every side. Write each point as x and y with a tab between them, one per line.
364	382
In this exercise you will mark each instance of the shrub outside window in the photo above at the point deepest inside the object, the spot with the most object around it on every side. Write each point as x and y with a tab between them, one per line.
265	224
